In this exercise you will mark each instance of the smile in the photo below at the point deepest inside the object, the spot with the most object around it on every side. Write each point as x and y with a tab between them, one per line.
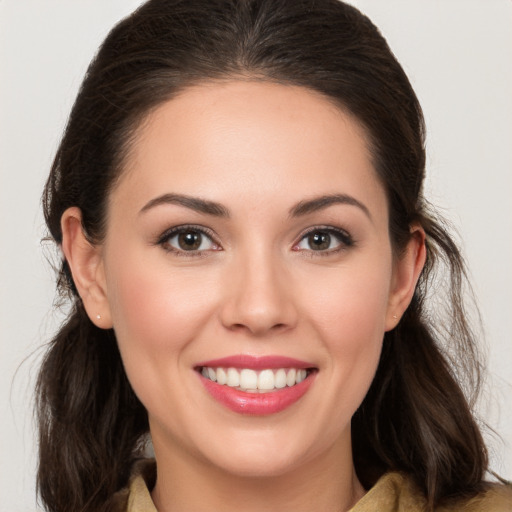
256	385
252	381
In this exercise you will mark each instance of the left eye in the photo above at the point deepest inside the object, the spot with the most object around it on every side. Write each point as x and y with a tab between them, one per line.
189	240
324	240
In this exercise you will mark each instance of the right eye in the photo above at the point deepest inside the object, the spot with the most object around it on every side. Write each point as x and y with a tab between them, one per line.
190	240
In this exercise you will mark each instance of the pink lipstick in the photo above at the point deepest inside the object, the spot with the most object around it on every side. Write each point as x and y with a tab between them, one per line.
256	385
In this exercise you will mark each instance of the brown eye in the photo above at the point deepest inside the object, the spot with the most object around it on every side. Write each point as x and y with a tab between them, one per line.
187	239
190	241
319	241
325	240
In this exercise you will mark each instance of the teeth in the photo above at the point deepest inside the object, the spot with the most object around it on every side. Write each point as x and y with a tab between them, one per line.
280	379
248	379
301	375
233	378
266	380
212	375
253	381
222	378
290	377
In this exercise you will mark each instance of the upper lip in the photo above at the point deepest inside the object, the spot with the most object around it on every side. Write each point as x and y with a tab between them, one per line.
255	362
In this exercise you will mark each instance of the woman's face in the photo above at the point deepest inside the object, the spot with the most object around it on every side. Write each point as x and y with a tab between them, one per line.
249	231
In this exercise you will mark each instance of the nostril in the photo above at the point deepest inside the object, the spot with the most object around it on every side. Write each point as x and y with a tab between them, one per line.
237	327
257	329
257	311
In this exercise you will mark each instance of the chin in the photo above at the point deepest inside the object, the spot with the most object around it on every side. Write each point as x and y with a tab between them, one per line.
261	456
262	466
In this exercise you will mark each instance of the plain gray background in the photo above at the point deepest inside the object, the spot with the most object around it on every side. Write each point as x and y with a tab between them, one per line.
458	55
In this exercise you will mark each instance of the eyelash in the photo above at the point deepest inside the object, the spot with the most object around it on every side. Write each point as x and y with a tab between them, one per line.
344	238
164	238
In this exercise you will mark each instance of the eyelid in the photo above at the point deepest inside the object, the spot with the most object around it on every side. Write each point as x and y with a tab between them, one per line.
343	236
183	228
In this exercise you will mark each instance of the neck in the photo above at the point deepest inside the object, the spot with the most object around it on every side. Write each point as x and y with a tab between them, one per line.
327	483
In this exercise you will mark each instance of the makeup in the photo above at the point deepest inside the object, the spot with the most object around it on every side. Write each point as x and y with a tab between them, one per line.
256	385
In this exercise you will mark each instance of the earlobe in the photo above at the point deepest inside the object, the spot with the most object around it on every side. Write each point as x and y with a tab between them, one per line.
405	276
86	265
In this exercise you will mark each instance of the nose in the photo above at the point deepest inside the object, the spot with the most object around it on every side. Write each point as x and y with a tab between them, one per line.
258	297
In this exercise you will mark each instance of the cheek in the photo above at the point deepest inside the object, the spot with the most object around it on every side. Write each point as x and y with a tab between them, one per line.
351	306
157	314
350	315
155	310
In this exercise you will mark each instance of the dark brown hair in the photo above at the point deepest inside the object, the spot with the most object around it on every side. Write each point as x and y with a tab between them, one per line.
415	417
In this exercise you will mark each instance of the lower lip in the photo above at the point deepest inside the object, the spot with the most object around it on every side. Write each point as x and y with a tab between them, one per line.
257	403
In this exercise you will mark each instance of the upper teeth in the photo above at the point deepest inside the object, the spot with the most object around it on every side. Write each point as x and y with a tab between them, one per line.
251	380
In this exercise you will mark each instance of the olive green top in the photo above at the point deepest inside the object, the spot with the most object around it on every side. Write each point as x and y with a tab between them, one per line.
393	492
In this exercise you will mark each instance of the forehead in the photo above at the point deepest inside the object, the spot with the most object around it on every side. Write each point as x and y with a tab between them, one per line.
223	140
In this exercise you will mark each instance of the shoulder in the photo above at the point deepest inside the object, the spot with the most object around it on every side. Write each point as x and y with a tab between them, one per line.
496	498
396	492
136	497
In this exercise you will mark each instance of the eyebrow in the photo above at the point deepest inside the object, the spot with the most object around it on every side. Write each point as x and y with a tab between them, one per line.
217	210
194	203
322	202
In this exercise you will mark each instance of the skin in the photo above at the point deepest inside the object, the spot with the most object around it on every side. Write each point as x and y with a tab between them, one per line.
257	287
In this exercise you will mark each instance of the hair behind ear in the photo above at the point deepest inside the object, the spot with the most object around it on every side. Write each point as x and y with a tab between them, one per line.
415	417
90	419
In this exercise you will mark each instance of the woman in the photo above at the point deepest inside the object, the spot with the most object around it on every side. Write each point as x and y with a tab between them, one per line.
238	199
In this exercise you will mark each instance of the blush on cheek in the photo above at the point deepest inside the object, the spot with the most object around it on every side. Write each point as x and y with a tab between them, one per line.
352	322
152	308
353	313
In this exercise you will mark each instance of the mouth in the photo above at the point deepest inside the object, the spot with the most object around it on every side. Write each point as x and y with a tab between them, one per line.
256	385
256	381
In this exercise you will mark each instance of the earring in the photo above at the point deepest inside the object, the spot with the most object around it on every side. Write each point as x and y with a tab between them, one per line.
98	317
394	316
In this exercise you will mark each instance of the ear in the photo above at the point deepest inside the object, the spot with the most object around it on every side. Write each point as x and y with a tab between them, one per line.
406	272
86	264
